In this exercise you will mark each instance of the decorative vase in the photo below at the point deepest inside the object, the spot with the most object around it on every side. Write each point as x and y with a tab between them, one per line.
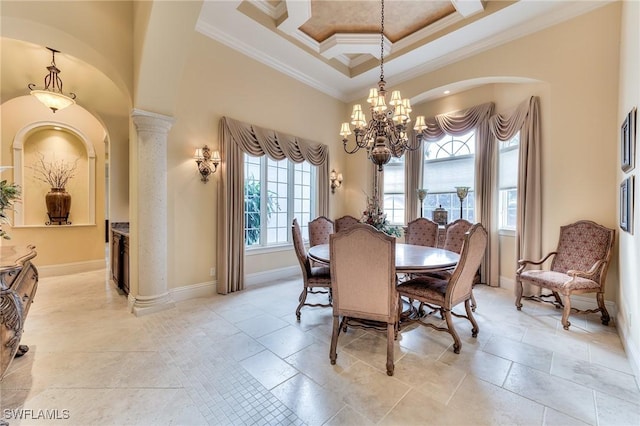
58	206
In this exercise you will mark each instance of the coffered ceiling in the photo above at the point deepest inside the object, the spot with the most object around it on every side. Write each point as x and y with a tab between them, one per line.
335	45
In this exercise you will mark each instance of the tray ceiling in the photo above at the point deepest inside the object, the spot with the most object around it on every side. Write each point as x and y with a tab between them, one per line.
334	46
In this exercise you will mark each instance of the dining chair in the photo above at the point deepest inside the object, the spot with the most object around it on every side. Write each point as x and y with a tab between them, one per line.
444	294
364	284
319	230
312	276
345	222
422	232
579	265
454	236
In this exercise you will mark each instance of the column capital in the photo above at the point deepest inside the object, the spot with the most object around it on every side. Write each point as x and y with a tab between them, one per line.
146	121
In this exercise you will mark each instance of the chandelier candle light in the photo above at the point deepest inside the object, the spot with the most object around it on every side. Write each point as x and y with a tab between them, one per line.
52	95
386	133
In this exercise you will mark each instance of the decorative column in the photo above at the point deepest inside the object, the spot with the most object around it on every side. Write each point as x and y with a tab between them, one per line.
151	219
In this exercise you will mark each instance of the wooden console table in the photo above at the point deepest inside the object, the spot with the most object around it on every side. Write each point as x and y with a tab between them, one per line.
18	284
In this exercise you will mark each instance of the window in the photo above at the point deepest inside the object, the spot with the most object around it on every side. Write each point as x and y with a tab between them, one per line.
287	194
450	162
394	198
508	182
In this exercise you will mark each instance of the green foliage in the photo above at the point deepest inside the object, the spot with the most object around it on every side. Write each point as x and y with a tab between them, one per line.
252	204
9	193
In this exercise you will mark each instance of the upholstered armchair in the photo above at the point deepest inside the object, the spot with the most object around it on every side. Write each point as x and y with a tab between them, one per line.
578	265
443	294
345	222
364	284
422	232
312	276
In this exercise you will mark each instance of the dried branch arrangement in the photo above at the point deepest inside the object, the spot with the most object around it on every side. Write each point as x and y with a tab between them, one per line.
56	173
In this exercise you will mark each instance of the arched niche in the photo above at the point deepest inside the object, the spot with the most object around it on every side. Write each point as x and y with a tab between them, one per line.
62	141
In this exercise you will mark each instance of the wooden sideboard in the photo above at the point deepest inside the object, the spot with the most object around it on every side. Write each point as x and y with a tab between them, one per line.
18	285
120	255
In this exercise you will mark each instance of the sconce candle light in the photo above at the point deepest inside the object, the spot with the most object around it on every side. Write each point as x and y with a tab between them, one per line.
336	180
207	162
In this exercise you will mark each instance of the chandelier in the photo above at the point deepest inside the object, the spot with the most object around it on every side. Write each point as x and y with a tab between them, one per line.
52	95
385	135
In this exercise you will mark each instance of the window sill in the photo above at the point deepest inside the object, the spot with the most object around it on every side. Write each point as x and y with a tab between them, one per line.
253	251
507	232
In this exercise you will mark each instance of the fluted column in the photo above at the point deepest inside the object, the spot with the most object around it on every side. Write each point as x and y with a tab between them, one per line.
152	130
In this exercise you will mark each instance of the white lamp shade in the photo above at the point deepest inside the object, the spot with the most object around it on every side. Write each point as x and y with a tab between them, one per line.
396	98
54	100
198	154
373	96
420	125
345	130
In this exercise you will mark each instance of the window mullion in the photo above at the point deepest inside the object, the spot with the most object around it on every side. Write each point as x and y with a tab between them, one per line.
264	184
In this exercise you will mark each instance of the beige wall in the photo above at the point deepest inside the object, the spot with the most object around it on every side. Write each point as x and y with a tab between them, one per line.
628	319
218	81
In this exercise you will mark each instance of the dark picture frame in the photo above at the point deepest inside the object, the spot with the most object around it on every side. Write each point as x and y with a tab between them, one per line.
626	204
628	141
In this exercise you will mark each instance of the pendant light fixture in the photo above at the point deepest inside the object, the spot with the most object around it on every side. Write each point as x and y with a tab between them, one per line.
52	95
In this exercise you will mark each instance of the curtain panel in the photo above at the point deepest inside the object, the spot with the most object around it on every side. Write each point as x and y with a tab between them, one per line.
458	123
526	119
237	138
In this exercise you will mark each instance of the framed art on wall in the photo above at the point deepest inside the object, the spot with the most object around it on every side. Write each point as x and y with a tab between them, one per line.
628	141
626	204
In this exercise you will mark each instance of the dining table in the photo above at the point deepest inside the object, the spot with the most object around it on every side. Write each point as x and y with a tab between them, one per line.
410	258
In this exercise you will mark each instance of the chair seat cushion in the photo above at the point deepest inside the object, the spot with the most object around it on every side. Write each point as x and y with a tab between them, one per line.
557	281
424	288
320	275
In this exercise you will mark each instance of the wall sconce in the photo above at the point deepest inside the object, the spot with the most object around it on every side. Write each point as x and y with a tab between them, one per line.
336	180
207	162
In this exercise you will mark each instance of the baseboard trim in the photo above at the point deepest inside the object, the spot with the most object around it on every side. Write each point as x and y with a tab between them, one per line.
69	268
632	353
193	291
258	278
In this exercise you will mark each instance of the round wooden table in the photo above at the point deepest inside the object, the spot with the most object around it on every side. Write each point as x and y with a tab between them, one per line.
409	258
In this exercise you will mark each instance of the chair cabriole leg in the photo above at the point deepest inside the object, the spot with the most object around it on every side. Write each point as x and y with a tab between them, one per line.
519	291
475	328
457	344
390	338
566	311
334	339
605	315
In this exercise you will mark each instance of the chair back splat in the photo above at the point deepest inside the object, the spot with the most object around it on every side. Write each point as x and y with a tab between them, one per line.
345	222
422	232
579	265
364	284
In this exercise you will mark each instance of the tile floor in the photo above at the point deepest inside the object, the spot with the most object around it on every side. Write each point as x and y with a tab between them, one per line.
243	359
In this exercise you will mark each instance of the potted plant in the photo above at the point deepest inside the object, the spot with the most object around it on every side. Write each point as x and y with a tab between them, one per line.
9	194
56	174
